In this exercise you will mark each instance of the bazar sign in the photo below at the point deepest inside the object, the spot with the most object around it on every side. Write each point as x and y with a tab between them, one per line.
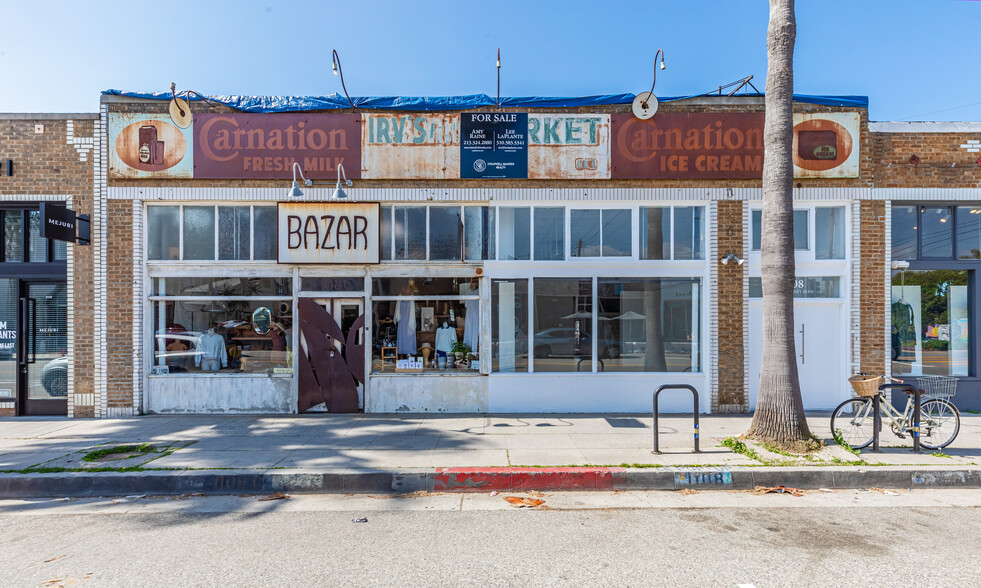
328	232
241	145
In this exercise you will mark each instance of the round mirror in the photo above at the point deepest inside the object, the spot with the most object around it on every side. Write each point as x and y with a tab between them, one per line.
261	319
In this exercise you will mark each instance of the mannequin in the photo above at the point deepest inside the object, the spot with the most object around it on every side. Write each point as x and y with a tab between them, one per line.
471	325
405	317
445	338
212	354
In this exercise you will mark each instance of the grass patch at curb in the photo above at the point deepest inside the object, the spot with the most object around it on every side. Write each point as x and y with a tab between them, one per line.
737	446
123	451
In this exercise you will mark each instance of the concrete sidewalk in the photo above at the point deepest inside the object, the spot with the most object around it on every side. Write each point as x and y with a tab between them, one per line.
43	456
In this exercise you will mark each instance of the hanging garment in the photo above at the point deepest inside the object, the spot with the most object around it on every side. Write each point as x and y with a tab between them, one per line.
211	345
471	326
445	338
902	322
405	338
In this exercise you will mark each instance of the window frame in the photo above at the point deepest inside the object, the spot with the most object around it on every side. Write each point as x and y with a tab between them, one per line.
571	210
216	206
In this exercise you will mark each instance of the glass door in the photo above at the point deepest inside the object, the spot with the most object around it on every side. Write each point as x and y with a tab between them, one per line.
43	349
9	370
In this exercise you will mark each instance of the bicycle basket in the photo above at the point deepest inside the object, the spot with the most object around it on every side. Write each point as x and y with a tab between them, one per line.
938	386
865	385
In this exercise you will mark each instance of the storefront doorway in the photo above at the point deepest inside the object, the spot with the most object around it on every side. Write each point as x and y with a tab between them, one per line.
332	354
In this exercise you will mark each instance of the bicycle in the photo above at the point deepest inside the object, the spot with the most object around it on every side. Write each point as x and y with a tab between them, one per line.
852	422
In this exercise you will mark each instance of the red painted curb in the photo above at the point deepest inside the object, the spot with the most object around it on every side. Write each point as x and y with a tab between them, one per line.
505	479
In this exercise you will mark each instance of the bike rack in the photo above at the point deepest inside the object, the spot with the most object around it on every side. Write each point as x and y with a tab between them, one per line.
877	418
657	393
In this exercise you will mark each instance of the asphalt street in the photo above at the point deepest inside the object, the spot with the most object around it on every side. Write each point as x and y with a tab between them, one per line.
845	538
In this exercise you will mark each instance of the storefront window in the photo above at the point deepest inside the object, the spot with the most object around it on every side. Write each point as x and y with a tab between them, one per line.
600	233
509	329
515	233
37	246
445	233
936	232
968	232
684	226
648	325
904	230
931	322
479	223
655	233
563	318
433	322
205	325
264	233
163	232
199	232
801	242
549	233
13	236
829	229
688	229
409	227
234	238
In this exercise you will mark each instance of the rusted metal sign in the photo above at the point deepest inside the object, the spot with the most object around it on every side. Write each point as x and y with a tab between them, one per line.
410	146
569	146
266	145
328	232
688	146
148	146
826	145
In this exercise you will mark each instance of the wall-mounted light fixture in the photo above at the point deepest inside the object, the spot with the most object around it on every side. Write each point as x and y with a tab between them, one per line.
900	265
339	194
731	258
340	72
295	191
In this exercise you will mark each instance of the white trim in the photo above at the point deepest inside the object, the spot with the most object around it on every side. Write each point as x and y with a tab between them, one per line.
713	354
924	194
925	127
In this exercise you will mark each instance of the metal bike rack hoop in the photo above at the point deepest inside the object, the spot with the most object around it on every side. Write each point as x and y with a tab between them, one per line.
877	418
657	393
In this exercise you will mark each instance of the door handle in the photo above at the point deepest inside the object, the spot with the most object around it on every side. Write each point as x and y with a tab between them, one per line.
33	312
22	335
802	343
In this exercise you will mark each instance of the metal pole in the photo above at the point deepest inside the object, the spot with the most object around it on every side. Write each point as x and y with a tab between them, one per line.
876	423
657	449
657	392
916	419
694	394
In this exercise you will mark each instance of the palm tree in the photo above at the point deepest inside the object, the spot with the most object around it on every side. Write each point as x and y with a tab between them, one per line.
779	417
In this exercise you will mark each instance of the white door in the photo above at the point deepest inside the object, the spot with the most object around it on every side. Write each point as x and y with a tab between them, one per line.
821	352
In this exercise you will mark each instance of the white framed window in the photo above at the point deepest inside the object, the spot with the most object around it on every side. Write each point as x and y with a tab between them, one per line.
208	232
672	232
596	232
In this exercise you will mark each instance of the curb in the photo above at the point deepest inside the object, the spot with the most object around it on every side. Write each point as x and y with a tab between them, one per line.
501	479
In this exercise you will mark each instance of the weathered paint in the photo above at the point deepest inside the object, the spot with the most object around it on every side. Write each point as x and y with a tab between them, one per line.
569	146
410	146
839	160
518	479
237	394
328	232
148	146
423	393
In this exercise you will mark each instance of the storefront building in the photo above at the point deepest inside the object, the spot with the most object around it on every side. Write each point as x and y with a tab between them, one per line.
47	287
521	259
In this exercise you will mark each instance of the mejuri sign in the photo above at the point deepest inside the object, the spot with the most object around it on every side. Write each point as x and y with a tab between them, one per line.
328	232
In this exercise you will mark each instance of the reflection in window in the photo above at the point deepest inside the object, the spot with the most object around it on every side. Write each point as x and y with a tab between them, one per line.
479	225
163	232
585	232
211	287
655	233
968	232
37	246
648	325
550	233
801	242
563	316
829	232
264	221
617	232
936	231
199	232
930	323
445	232
234	238
904	230
410	232
509	326
688	232
515	233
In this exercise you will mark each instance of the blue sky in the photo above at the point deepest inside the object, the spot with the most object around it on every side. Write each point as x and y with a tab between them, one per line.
916	60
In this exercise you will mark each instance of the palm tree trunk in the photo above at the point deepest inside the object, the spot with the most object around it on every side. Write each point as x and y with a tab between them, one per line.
779	417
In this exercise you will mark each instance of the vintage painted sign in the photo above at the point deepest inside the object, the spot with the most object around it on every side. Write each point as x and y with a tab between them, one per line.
240	145
410	146
328	232
494	145
569	146
730	146
148	146
826	145
688	146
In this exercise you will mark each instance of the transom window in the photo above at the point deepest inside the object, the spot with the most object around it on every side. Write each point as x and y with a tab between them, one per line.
828	237
936	232
211	233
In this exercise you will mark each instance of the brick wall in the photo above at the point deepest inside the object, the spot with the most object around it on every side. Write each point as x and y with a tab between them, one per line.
59	162
872	282
119	280
731	393
944	163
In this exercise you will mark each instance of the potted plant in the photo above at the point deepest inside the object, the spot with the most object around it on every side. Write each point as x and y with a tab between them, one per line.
461	350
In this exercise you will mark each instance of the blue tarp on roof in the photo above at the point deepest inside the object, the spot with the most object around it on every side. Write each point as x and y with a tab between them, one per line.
424	103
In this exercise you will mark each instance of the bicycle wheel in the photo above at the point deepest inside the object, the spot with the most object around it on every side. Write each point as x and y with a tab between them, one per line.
939	423
853	420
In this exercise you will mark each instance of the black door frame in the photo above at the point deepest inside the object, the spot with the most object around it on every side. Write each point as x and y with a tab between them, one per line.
27	351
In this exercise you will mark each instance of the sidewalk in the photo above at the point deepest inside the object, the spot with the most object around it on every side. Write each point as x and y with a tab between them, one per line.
43	456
